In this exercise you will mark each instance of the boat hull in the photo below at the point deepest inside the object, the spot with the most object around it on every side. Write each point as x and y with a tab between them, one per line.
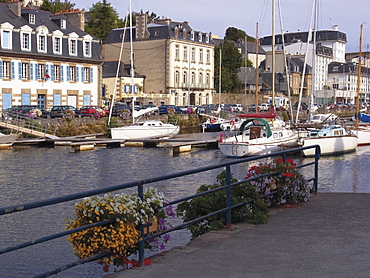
141	132
331	145
8	138
257	147
363	136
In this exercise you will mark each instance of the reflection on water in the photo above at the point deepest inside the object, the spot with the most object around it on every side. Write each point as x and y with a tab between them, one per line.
29	174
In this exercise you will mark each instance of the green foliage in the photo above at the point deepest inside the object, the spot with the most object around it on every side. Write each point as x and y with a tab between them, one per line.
234	34
230	65
256	212
56	6
103	18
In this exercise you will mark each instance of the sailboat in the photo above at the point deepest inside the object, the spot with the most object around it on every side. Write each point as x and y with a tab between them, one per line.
332	138
257	136
142	129
362	131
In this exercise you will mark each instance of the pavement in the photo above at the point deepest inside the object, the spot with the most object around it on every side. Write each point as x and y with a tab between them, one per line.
328	236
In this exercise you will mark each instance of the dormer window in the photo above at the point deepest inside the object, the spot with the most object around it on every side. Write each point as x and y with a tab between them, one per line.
200	37
87	45
207	38
32	18
72	44
176	32
57	42
184	33
192	35
156	33
63	24
6	33
41	39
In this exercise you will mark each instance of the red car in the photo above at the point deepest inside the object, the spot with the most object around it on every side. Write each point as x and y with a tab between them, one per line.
93	111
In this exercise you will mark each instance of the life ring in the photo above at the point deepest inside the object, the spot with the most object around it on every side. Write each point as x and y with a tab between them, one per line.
232	123
213	121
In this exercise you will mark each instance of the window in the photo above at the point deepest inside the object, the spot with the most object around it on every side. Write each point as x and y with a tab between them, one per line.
184	77
6	41
207	38
185	53
41	72
24	71
63	24
193	54
87	48
57	46
42	42
6	70
192	35
26	41
73	47
200	55
207	79
156	33
176	32
208	57
55	72
200	78
32	18
86	74
177	54
192	77
200	36
184	33
72	73
177	78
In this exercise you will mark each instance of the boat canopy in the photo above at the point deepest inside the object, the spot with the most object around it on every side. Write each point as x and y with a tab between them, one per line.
269	133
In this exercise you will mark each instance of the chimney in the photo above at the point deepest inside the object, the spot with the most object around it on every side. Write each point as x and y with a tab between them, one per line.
76	18
141	26
16	7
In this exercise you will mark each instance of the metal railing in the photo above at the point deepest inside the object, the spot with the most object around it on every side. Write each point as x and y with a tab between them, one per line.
139	184
17	121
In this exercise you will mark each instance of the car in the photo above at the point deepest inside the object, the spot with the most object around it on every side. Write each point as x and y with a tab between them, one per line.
24	110
93	111
252	108
121	110
165	108
58	111
264	106
237	107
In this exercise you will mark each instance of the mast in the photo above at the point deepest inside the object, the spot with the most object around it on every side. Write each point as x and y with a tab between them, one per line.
257	44
219	81
273	60
132	71
359	77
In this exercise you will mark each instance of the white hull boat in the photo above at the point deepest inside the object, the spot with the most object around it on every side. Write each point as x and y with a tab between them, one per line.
146	129
363	135
255	137
332	139
8	139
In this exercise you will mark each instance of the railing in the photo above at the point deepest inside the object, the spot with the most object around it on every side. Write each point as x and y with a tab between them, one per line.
16	121
140	188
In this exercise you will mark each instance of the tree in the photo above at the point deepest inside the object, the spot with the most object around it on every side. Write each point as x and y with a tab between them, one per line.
234	34
102	19
56	6
231	63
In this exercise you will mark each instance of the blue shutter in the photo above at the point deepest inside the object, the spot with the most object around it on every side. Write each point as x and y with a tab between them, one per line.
91	75
77	74
7	100
26	99
20	70
52	72
1	69
57	99
82	74
31	72
13	70
37	72
62	73
68	76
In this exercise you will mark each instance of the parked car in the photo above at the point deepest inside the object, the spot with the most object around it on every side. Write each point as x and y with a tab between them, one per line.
59	110
252	108
93	111
264	106
24	110
164	108
237	107
121	109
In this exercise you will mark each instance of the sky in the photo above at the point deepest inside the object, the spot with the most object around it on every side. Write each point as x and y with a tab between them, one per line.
215	16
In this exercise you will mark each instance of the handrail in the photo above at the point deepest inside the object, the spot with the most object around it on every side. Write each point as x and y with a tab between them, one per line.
140	187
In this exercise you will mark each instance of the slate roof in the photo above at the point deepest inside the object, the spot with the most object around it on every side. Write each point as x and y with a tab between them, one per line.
110	70
52	23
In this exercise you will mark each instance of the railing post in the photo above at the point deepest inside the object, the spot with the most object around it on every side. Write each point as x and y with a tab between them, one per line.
140	193
228	196
317	157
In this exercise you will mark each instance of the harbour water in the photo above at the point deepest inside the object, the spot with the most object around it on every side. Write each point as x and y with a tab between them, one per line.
30	174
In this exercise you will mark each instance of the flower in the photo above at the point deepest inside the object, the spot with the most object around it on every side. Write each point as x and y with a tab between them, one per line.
68	114
120	236
34	113
291	184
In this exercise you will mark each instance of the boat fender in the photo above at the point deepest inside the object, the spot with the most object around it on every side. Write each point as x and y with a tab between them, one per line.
232	123
221	138
213	121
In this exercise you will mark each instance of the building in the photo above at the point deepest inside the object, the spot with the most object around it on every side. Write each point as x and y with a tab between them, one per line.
45	60
176	60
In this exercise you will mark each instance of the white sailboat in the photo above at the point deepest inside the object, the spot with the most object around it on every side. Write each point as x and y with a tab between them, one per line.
8	139
142	129
332	139
256	136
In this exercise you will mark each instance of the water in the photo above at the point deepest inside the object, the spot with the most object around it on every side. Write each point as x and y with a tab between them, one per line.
29	174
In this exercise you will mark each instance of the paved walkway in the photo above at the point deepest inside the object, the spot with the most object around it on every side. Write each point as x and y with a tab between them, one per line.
329	236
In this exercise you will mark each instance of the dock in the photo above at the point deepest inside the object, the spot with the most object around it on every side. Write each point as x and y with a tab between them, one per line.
183	143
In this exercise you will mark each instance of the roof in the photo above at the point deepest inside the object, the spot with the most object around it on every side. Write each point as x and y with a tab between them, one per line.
110	70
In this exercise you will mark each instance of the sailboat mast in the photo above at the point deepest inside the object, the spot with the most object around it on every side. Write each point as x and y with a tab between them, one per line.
359	77
273	55
132	71
257	44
